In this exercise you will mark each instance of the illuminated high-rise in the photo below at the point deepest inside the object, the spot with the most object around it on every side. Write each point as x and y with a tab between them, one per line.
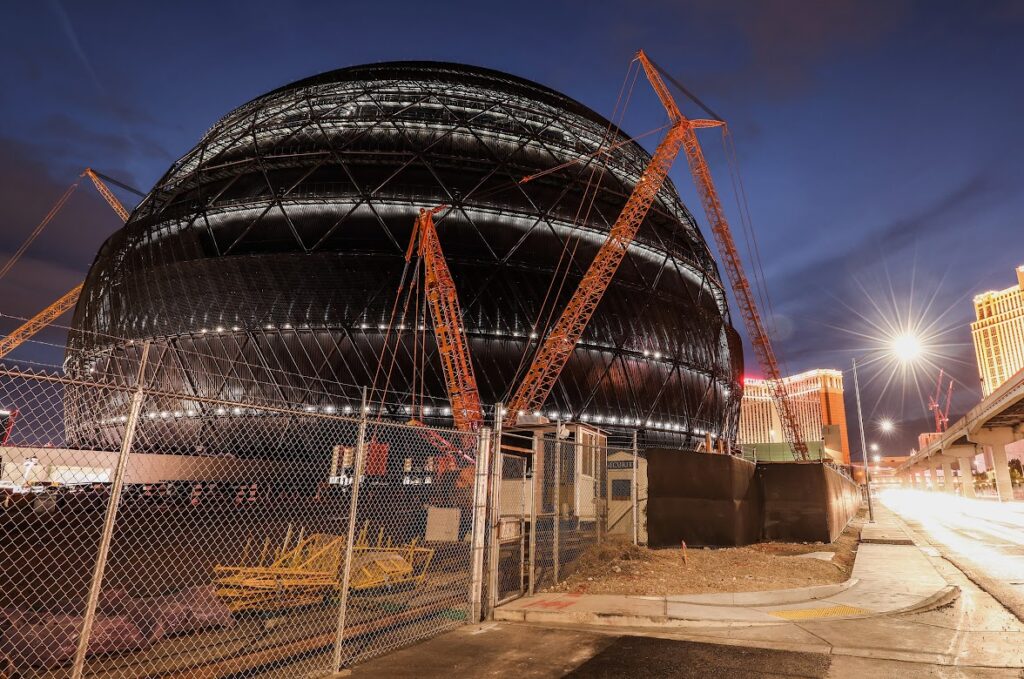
998	334
816	397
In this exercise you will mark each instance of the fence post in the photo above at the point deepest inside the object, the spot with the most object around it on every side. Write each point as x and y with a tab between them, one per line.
494	548
111	516
535	497
556	549
476	579
635	496
601	479
353	506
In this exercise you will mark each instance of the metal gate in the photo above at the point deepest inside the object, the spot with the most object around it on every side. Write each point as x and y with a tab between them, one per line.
509	547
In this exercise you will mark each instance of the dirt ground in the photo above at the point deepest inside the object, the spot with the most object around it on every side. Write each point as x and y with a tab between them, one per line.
617	567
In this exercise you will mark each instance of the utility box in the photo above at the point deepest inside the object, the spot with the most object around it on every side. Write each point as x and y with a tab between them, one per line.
622	495
581	452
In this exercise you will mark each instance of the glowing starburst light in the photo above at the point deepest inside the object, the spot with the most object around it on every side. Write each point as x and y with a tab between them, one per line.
907	347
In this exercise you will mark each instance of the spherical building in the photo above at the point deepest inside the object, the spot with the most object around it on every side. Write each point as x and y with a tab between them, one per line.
264	265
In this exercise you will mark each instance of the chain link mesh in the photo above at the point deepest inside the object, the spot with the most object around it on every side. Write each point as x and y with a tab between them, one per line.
554	498
149	531
158	520
513	492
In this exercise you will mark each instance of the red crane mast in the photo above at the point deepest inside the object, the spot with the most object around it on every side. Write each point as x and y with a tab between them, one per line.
741	288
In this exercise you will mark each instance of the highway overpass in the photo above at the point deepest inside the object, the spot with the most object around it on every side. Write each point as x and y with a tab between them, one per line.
996	422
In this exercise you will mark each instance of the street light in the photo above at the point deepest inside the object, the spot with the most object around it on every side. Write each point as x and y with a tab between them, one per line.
887	426
905	348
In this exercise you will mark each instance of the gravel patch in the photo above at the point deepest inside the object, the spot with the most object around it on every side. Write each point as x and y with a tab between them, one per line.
619	567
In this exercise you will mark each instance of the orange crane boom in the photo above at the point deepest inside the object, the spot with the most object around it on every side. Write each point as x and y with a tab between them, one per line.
33	325
111	199
448	329
560	342
734	271
68	301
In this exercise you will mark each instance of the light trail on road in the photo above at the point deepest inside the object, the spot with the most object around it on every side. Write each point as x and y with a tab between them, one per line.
988	534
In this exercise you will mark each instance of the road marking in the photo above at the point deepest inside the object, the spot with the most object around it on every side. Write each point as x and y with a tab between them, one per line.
828	612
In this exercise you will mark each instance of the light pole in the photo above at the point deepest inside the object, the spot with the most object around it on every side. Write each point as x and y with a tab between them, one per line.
906	348
863	444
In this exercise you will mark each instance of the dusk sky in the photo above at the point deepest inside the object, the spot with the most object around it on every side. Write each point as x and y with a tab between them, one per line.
880	142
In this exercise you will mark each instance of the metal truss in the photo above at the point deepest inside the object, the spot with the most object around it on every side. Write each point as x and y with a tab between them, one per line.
270	253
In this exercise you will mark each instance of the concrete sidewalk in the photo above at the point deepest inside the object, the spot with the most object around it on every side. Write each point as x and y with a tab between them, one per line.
887	578
908	631
886	529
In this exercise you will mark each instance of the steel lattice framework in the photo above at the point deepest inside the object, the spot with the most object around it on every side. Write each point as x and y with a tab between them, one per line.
267	258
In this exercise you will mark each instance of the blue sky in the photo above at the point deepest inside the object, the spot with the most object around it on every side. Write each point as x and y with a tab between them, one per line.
880	141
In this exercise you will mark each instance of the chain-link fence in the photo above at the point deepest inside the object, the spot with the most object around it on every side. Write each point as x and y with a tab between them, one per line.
217	529
560	490
152	532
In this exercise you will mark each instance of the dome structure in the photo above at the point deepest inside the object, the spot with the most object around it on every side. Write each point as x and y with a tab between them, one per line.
264	265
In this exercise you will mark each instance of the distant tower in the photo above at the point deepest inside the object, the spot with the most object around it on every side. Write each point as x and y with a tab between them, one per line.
999	334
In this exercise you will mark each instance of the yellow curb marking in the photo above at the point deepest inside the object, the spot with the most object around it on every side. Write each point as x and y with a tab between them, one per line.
829	612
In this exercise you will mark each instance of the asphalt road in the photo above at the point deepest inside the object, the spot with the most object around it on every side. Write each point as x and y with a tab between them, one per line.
973	637
984	538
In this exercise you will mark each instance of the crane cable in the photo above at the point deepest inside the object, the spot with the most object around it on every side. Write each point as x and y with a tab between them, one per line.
539	327
39	229
742	205
387	335
753	248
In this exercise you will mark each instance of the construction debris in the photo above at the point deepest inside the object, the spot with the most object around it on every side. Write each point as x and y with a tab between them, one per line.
310	572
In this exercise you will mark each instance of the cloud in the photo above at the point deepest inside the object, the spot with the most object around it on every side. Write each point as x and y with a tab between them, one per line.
785	43
889	241
70	137
76	46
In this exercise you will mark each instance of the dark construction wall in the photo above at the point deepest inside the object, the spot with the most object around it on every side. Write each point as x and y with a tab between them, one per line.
702	499
726	501
806	502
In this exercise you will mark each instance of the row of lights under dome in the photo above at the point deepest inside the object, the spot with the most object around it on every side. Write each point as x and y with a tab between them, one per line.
427	411
646	353
221	411
381	326
624	421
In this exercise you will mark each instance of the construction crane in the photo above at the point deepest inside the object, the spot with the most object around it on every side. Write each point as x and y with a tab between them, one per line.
741	288
941	414
111	199
449	332
560	342
29	328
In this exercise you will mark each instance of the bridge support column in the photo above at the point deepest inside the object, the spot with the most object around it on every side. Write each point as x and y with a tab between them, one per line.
998	438
938	483
947	476
963	456
966	477
933	473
